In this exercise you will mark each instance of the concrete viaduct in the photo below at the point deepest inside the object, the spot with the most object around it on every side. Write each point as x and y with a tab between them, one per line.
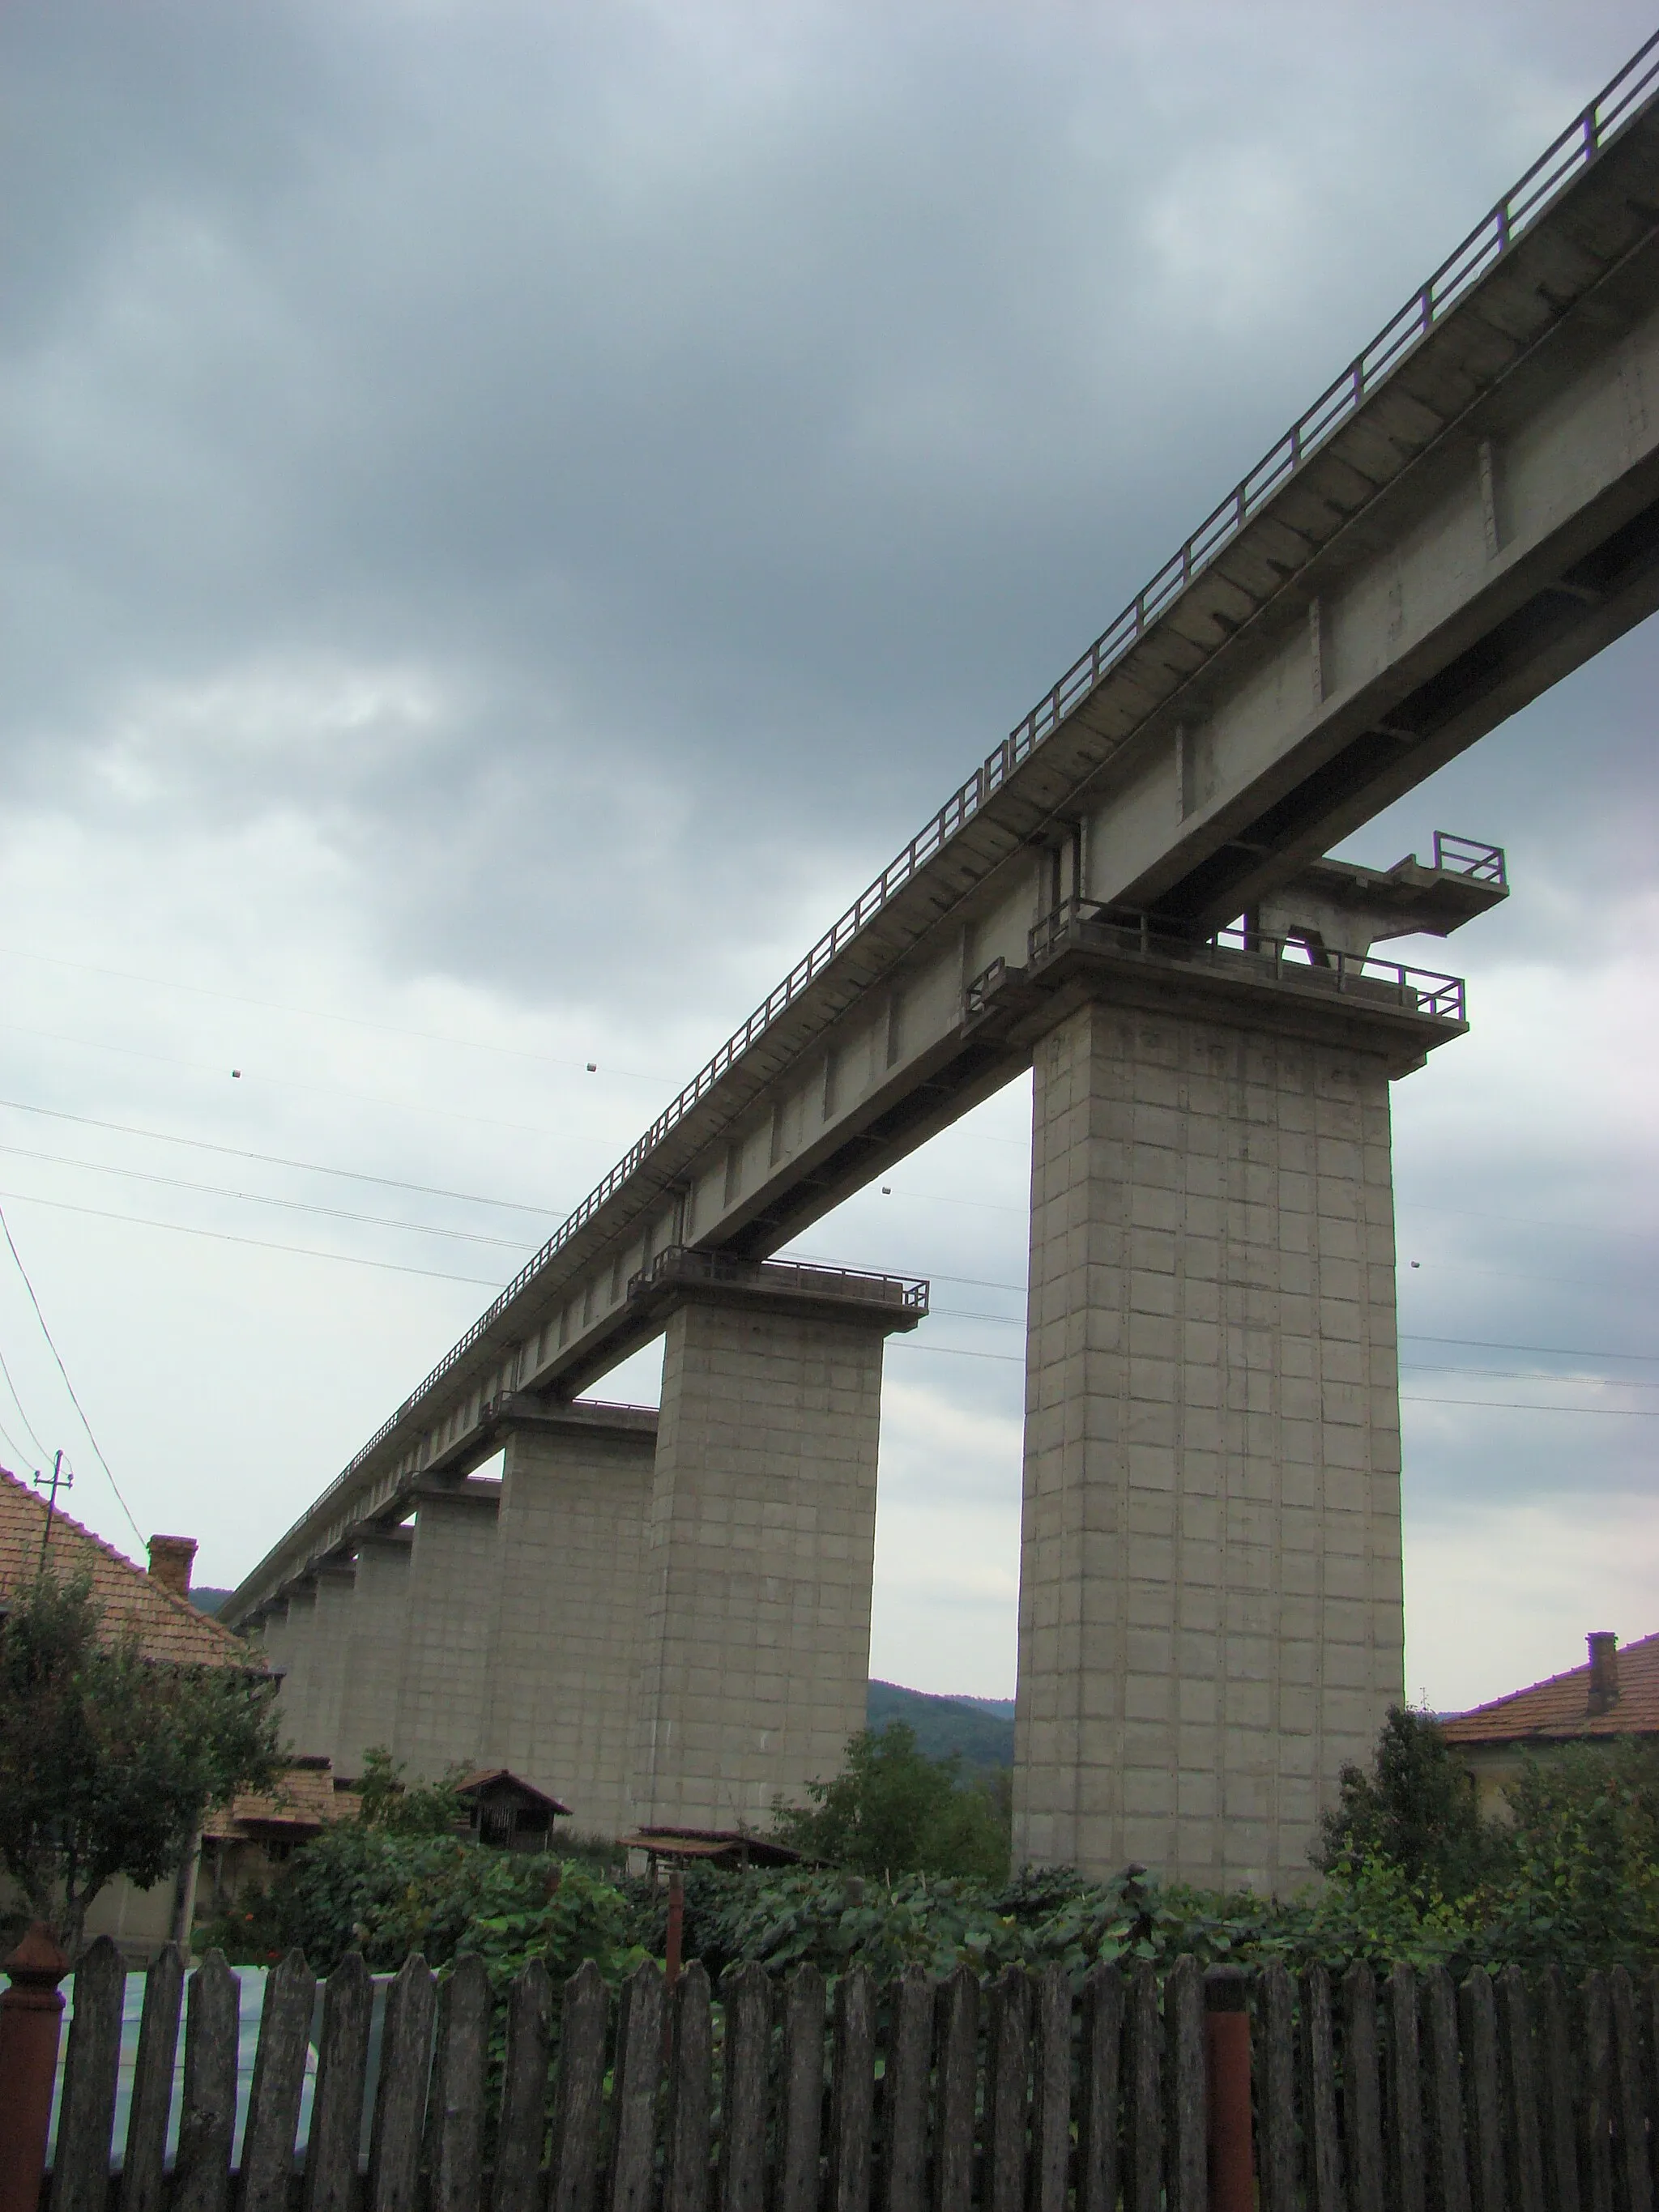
665	1617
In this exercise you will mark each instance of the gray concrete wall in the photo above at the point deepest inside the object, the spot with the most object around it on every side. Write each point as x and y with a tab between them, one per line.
454	1575
373	1650
326	1666
1210	1602
565	1659
293	1700
759	1553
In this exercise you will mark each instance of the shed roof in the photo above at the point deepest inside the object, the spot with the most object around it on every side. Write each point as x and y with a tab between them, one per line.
1557	1708
502	1779
169	1627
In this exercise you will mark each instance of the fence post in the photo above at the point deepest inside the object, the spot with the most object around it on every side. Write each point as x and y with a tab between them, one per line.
86	2104
1227	2104
31	2021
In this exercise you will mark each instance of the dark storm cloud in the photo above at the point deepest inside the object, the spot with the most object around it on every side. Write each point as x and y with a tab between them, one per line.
521	509
754	407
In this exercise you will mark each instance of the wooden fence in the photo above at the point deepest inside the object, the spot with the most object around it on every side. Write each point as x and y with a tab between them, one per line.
1412	2095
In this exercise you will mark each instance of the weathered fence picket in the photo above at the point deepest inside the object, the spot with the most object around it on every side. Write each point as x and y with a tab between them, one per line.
279	2081
579	2111
524	2093
331	2183
1143	2123
1275	2086
1477	2012
1320	2133
1523	2118
207	2117
394	2150
904	2092
1595	2094
1448	2159
800	2119
455	2108
1630	2099
143	2171
1022	2095
1100	2087
687	2128
86	2114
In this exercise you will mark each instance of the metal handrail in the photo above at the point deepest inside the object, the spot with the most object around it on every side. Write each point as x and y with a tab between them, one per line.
1421	990
1470	856
679	1261
1577	147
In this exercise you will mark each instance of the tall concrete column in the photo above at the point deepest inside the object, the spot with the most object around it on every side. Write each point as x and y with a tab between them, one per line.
1211	1614
293	1698
761	1537
564	1664
374	1653
454	1575
326	1660
270	1634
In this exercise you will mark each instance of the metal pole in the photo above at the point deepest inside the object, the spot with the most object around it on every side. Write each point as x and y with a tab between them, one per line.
1227	2054
676	1926
31	2019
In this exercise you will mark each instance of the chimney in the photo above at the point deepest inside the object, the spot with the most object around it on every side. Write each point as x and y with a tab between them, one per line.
1603	1669
170	1559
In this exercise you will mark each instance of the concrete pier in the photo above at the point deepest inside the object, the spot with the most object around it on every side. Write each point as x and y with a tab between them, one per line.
327	1662
374	1649
293	1700
760	1542
454	1572
564	1661
1211	1617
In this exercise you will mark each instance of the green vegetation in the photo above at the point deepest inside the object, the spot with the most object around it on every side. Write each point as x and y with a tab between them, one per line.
1415	1812
892	1810
1413	1875
108	1760
943	1725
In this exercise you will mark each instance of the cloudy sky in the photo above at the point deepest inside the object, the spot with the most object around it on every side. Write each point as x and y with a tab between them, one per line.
514	512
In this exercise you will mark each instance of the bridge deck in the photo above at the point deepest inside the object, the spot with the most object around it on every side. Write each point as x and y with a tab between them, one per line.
1466	513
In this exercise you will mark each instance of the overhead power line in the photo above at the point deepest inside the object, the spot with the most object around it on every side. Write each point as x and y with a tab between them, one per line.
259	1243
259	1198
276	1160
73	1401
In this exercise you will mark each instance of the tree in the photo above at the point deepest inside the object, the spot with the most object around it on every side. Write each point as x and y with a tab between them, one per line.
892	1810
108	1760
1583	1854
1416	1811
386	1800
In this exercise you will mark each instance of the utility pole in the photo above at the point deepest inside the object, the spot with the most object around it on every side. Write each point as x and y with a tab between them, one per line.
61	1478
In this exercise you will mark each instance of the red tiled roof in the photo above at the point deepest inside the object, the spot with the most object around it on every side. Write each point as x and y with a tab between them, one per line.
1560	1706
169	1627
303	1803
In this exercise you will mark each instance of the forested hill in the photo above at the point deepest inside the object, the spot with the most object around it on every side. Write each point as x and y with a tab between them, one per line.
942	1725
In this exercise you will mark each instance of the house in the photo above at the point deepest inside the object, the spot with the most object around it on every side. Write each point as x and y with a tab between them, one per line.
1614	1697
155	1605
245	1842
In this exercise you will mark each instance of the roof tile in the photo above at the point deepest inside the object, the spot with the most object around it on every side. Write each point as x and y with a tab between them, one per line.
169	1627
1560	1707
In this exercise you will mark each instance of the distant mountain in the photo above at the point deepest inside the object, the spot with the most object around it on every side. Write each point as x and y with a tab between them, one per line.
206	1599
1002	1707
980	1733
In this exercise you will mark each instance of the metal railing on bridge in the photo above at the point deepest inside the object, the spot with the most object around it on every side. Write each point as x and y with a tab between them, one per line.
683	1263
1240	952
1580	144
